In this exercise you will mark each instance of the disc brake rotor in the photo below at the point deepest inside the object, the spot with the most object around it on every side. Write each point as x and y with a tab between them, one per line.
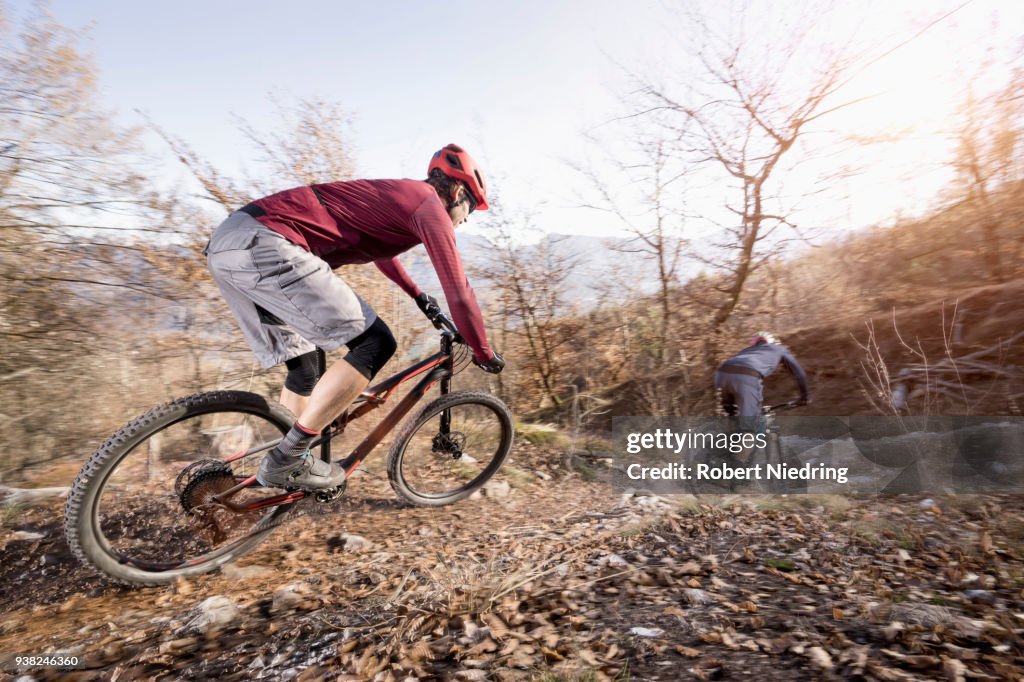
451	443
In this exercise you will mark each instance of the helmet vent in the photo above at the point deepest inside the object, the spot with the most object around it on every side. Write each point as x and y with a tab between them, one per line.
454	161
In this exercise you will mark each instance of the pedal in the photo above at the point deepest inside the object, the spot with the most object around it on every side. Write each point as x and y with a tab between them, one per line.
330	494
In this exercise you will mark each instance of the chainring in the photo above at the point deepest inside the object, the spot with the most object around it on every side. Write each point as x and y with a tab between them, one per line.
330	494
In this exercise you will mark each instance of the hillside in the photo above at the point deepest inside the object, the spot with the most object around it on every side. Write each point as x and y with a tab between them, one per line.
982	324
970	339
556	575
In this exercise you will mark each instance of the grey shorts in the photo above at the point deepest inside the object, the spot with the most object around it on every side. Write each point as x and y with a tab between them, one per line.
259	272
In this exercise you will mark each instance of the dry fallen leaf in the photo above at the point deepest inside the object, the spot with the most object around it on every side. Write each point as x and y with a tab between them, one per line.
820	657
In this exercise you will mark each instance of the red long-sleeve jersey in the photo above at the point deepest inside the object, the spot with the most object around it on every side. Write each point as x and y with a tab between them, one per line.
364	221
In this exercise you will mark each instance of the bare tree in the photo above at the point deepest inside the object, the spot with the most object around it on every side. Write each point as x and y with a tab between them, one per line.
530	289
311	145
68	173
72	197
988	165
742	119
657	227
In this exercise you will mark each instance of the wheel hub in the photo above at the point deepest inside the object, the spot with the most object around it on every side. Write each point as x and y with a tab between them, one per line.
450	443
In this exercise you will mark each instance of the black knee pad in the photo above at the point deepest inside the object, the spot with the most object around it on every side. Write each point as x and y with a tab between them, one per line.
303	373
372	349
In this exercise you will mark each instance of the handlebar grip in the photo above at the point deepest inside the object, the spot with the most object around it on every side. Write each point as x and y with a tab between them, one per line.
442	321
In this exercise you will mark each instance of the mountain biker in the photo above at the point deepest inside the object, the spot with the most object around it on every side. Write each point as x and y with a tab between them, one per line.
273	258
740	379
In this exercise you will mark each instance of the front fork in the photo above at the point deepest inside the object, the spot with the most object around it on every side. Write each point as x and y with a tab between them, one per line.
446	384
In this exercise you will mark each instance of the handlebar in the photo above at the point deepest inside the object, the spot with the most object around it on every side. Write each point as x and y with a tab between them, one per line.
442	321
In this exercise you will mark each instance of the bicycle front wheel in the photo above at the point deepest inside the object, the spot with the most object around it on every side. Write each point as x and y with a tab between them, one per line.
141	510
450	449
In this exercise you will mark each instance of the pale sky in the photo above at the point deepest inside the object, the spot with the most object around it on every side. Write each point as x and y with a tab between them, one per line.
515	83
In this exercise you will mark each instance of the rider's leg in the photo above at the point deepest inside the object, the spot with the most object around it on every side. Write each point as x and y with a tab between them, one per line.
303	373
338	387
335	391
293	401
368	353
346	379
749	393
725	395
741	402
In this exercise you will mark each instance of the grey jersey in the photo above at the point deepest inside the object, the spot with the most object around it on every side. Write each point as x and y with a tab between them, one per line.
765	357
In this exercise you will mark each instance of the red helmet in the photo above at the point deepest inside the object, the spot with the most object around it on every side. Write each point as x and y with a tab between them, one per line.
455	162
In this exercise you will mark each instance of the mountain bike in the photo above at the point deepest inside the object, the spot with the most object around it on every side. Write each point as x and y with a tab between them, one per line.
771	454
174	492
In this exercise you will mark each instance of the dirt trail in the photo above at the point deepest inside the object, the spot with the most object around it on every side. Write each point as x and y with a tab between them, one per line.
563	578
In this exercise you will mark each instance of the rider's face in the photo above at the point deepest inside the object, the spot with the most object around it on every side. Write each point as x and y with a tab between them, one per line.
460	210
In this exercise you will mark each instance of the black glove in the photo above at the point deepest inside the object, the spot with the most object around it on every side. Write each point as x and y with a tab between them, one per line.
428	306
493	365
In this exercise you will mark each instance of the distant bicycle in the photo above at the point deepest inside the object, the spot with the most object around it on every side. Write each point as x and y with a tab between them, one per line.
771	454
174	493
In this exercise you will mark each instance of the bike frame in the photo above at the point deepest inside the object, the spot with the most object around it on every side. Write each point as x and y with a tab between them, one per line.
438	368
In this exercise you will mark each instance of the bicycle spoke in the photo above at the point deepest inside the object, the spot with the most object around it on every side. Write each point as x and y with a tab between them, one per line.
155	508
456	444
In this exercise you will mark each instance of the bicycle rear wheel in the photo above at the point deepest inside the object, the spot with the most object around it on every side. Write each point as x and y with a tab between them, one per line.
450	449
140	511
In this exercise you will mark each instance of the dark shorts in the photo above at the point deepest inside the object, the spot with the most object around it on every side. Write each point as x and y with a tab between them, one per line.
259	272
741	394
